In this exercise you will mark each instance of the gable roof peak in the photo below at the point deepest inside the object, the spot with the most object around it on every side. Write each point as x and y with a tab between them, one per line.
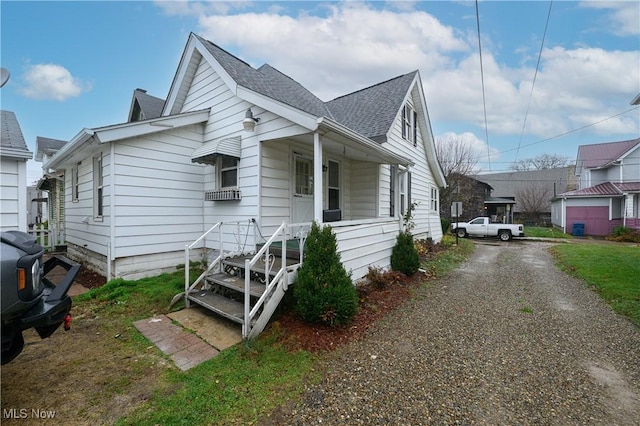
267	81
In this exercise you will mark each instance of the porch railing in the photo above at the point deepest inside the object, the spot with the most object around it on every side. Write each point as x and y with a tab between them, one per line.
257	317
214	261
47	237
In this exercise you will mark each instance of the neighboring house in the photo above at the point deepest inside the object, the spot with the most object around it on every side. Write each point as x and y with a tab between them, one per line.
37	207
243	145
477	200
469	191
532	190
144	106
608	191
14	155
52	182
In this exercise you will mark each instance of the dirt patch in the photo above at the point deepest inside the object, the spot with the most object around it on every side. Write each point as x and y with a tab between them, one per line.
93	374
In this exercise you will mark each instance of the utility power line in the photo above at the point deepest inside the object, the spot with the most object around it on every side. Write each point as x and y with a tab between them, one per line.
484	101
526	114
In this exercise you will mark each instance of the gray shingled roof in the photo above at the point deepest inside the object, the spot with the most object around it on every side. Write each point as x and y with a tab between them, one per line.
267	81
150	106
11	139
372	110
509	183
47	146
369	111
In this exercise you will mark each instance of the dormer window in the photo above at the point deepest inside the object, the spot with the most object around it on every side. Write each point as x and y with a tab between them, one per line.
409	124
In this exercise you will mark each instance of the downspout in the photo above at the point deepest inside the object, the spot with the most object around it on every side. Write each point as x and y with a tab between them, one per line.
624	209
112	171
563	211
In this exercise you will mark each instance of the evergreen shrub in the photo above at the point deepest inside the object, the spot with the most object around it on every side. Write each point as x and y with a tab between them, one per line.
404	257
324	292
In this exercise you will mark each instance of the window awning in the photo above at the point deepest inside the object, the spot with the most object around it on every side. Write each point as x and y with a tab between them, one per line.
207	153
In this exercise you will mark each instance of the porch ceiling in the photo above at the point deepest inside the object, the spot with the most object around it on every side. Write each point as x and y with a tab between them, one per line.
342	146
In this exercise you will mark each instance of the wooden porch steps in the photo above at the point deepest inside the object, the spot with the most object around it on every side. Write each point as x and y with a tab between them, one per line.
223	292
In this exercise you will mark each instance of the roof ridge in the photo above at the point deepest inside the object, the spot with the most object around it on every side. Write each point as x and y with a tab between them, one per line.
202	39
637	140
372	86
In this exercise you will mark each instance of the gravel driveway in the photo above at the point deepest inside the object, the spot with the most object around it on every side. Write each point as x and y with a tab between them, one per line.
506	339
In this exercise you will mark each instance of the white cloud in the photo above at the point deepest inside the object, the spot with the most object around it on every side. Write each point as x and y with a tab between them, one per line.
624	16
51	81
476	146
351	45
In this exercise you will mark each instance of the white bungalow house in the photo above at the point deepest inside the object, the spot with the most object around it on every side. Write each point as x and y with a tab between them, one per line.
244	150
14	155
608	193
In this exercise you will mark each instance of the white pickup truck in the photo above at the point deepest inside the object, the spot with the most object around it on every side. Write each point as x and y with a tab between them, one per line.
482	227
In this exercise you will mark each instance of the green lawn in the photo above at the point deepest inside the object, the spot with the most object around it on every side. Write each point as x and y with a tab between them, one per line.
539	231
239	386
614	272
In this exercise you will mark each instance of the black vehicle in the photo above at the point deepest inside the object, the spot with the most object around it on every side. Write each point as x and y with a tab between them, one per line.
29	298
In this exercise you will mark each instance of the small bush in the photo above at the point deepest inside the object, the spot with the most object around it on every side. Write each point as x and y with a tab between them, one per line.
623	234
446	224
323	290
404	257
381	279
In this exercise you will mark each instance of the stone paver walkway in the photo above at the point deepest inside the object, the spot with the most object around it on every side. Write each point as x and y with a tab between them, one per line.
185	349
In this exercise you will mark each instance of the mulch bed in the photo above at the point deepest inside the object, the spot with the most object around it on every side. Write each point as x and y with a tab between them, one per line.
296	334
375	302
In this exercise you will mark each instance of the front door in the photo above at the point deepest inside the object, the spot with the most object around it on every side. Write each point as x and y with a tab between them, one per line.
302	208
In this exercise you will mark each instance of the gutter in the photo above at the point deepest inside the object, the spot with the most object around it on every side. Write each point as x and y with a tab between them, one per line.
330	124
67	150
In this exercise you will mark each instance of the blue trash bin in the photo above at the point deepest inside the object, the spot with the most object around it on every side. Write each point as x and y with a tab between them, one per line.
578	229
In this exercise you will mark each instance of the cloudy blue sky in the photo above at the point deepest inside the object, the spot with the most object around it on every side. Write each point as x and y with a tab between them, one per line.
75	64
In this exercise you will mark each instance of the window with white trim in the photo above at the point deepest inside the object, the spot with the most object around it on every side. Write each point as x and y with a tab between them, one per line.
334	185
303	176
98	188
75	185
434	199
402	186
409	124
227	172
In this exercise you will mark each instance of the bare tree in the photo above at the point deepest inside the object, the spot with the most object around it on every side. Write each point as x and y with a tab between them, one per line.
457	160
541	162
456	155
533	198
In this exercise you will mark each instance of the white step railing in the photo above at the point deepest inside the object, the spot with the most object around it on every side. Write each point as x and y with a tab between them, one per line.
255	317
232	249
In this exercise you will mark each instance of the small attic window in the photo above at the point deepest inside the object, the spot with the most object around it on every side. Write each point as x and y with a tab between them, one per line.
136	114
410	124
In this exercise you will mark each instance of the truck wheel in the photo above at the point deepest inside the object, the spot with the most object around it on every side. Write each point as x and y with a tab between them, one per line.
461	232
504	235
11	345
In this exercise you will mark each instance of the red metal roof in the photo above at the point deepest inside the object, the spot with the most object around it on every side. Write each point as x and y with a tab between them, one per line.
601	154
604	189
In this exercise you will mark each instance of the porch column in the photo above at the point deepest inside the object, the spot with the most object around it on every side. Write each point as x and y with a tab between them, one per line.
317	178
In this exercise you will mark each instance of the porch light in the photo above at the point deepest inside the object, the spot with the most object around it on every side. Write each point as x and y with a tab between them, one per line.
249	122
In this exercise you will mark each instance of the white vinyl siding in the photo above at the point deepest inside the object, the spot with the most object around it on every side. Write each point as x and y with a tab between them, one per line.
81	228
98	188
422	180
159	192
75	186
13	195
631	166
